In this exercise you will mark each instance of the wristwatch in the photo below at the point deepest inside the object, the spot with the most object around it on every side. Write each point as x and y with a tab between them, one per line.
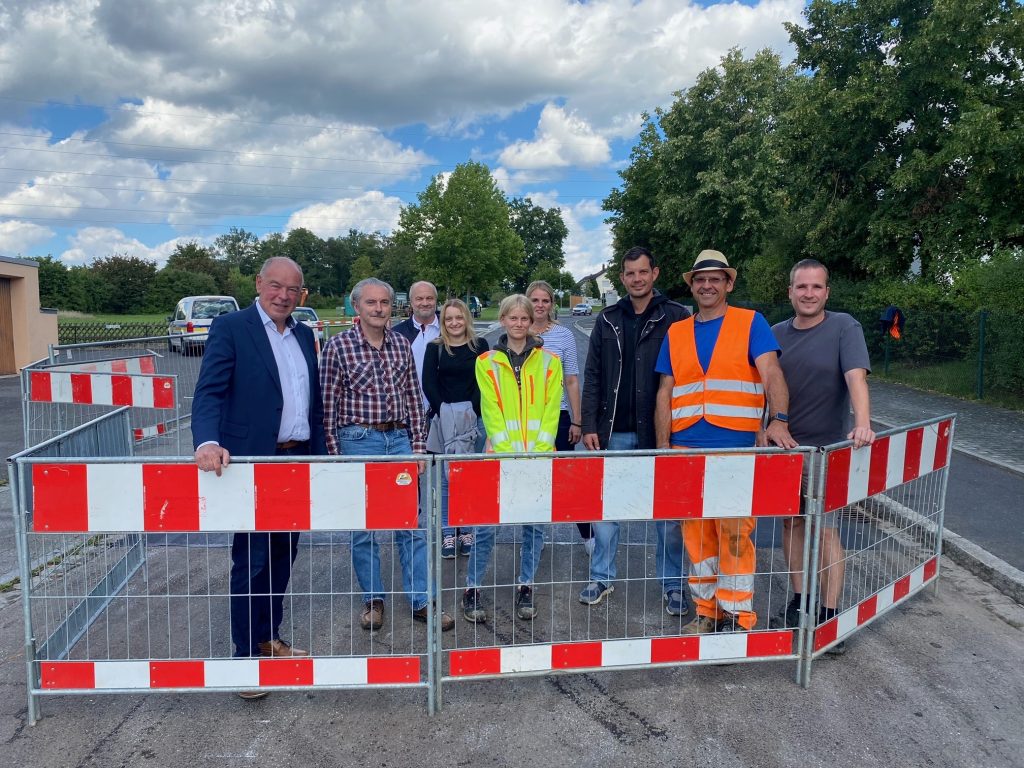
780	416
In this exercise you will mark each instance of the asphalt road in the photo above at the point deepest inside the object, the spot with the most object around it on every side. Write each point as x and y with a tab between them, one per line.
937	682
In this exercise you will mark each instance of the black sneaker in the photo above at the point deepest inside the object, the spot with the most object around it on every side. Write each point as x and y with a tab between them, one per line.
525	608
789	618
472	606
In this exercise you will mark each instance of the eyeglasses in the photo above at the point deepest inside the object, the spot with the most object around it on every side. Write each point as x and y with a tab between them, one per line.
292	290
714	280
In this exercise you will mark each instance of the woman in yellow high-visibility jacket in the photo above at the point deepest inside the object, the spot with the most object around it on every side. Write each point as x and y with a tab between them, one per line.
520	398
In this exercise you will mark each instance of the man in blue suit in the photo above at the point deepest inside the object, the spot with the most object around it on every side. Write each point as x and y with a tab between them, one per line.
258	394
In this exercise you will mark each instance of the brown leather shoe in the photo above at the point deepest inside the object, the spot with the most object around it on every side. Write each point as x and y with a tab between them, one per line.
253	695
280	648
447	622
373	615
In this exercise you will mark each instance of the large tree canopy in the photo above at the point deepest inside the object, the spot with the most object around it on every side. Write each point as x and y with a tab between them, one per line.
461	233
894	142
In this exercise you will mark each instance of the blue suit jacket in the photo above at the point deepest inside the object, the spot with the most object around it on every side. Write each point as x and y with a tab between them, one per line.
238	398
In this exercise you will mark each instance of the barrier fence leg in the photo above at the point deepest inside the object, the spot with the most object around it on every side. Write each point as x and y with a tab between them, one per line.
16	474
941	521
814	504
433	586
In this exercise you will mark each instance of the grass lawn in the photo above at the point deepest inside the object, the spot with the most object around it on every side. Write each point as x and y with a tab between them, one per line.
82	317
957	378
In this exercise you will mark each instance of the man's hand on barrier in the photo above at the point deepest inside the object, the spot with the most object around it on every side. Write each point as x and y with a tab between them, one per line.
777	433
212	458
422	465
761	439
861	436
590	442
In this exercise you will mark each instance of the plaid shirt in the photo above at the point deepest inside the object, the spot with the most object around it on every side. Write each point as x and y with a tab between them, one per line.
364	385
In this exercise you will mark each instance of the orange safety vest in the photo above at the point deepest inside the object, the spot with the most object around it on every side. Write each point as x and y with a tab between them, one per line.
730	394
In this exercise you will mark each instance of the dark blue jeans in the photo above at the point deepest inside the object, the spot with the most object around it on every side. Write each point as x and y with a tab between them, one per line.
261	565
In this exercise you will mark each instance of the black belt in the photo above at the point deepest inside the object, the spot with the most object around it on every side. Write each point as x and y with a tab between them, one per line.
384	426
289	444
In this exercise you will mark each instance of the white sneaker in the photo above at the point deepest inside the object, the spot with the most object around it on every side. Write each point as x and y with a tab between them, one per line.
589	544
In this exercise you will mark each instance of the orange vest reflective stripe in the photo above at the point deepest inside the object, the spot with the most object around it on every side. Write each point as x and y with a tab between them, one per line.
730	394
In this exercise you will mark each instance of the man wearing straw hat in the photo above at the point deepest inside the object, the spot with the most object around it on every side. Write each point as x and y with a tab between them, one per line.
717	368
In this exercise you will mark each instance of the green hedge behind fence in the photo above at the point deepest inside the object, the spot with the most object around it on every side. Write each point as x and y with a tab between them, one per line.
970	355
976	355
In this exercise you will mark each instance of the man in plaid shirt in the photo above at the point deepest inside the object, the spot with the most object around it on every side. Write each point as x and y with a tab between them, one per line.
373	407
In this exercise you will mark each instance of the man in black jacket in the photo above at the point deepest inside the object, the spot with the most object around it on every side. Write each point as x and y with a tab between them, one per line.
619	390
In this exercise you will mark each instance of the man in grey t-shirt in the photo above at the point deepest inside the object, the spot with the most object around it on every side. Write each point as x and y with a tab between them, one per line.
825	360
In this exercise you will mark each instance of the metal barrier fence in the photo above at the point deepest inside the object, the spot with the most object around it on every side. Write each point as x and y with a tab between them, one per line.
888	499
79	382
745	493
97	622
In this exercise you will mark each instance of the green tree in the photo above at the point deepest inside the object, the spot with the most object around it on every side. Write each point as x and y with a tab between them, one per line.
53	282
170	285
126	280
905	146
196	259
543	233
461	233
240	249
362	268
706	173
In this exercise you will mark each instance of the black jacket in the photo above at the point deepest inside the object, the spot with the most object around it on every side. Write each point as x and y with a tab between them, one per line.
603	370
409	329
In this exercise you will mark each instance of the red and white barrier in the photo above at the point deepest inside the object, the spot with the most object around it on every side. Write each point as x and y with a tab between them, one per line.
153	497
854	475
142	433
228	673
556	490
143	364
101	389
847	622
601	654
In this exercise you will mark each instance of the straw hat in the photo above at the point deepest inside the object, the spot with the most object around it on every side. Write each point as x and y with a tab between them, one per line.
708	261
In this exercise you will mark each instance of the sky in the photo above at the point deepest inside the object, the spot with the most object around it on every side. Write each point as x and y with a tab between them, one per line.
130	126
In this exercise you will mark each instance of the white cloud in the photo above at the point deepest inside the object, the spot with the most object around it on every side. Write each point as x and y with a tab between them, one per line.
561	139
99	242
370	212
588	245
443	63
17	237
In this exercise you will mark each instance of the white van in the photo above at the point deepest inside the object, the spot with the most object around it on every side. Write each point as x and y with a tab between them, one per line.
190	323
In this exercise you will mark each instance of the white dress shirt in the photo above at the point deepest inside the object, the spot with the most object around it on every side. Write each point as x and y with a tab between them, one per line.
294	375
426	334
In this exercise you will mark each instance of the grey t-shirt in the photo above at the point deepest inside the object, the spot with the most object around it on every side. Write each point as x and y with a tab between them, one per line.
814	362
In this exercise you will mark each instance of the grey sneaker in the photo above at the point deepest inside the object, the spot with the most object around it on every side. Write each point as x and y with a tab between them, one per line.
525	609
472	606
595	592
675	603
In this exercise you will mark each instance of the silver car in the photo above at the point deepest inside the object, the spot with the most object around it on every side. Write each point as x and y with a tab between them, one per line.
190	323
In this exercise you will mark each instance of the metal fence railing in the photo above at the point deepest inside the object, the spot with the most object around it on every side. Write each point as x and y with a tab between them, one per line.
125	560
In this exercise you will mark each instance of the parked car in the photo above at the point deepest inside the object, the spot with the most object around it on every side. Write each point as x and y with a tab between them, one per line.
309	316
190	323
475	306
582	309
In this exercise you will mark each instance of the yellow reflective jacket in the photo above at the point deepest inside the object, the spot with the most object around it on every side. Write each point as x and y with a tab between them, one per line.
520	418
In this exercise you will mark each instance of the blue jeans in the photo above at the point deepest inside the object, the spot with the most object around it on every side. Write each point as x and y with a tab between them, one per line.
668	559
483	543
412	545
445	530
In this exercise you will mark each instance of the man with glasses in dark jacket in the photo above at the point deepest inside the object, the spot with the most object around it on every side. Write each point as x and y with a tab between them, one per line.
619	391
